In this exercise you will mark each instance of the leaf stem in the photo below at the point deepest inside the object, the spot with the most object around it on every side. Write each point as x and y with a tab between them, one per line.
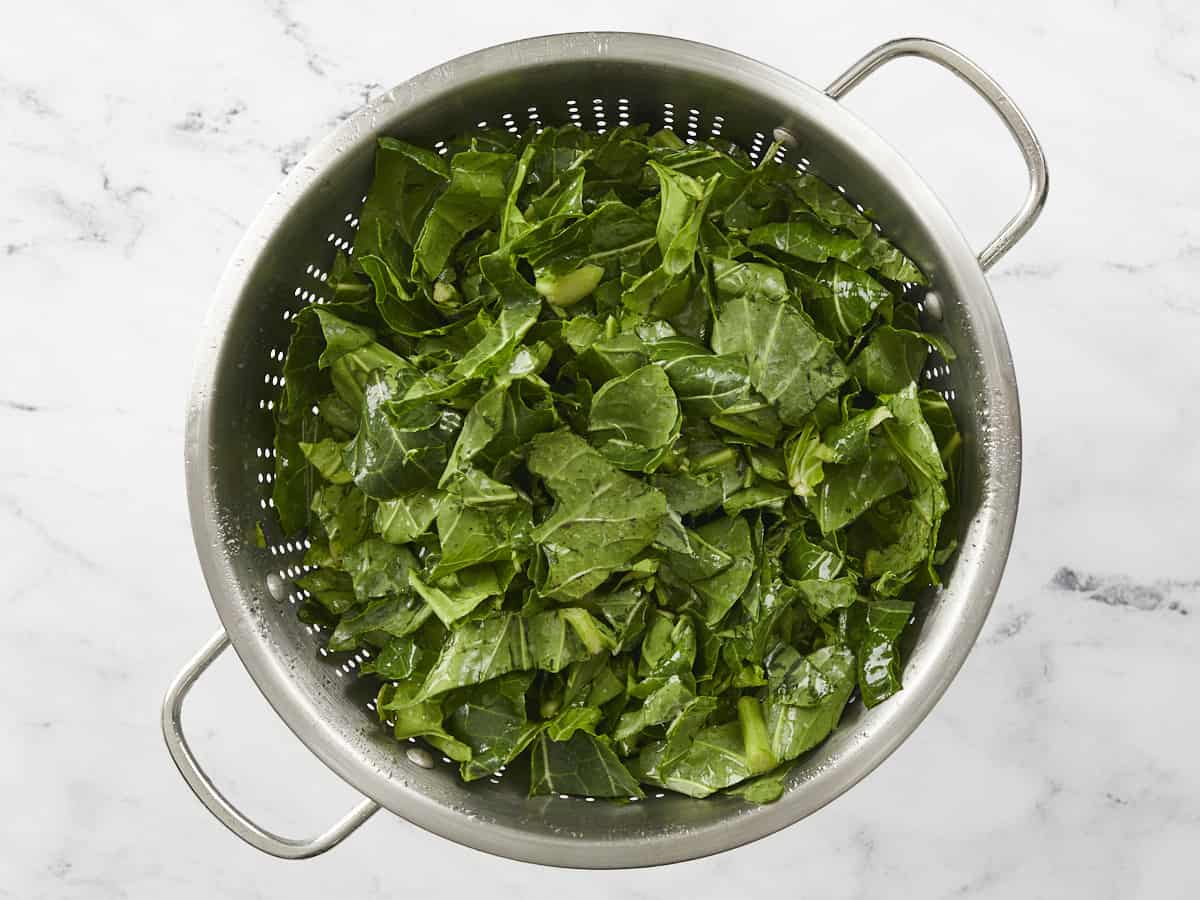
759	757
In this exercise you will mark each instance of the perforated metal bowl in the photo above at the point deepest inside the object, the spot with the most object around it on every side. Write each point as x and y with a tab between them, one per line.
597	80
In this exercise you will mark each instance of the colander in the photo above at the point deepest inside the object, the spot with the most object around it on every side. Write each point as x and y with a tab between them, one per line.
597	80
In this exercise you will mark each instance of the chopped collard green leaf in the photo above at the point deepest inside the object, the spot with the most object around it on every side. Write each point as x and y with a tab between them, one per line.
610	455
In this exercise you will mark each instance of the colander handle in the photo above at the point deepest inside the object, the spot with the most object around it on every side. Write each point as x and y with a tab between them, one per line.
987	88
229	815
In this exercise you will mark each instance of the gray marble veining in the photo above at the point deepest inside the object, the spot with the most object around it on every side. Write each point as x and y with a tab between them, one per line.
138	141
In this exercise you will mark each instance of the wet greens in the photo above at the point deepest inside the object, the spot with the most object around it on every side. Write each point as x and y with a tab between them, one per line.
609	450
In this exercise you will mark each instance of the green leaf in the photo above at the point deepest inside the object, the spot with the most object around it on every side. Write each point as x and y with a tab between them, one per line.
805	560
585	765
763	789
879	655
681	213
732	536
823	597
829	205
405	307
790	363
475	194
409	516
912	439
706	384
848	300
800	680
684	201
772	497
891	360
849	440
577	718
714	759
470	535
625	610
877	253
601	519
753	280
457	595
662	705
410	716
295	480
379	569
501	422
407	178
614	357
804	457
302	373
402	445
486	648
847	491
333	589
689	555
402	657
490	719
697	493
668	649
499	342
757	426
388	616
804	238
795	729
635	419
326	457
343	513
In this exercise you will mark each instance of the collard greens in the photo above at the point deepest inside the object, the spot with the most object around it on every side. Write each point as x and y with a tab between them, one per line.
610	452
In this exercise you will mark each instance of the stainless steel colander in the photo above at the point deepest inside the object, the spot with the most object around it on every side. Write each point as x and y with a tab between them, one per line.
597	80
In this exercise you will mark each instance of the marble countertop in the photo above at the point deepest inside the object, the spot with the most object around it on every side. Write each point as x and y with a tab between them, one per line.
138	141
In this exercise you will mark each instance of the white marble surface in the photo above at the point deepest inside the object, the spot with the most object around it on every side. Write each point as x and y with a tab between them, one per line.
137	141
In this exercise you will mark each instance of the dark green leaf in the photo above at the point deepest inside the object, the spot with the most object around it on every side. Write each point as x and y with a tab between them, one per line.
379	569
490	719
714	759
732	536
848	300
389	616
847	491
635	419
585	765
756	281
486	648
891	360
795	729
706	384
790	363
402	445
470	535
763	789
500	341
407	178
879	656
408	516
501	422
454	596
804	238
601	520
476	193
